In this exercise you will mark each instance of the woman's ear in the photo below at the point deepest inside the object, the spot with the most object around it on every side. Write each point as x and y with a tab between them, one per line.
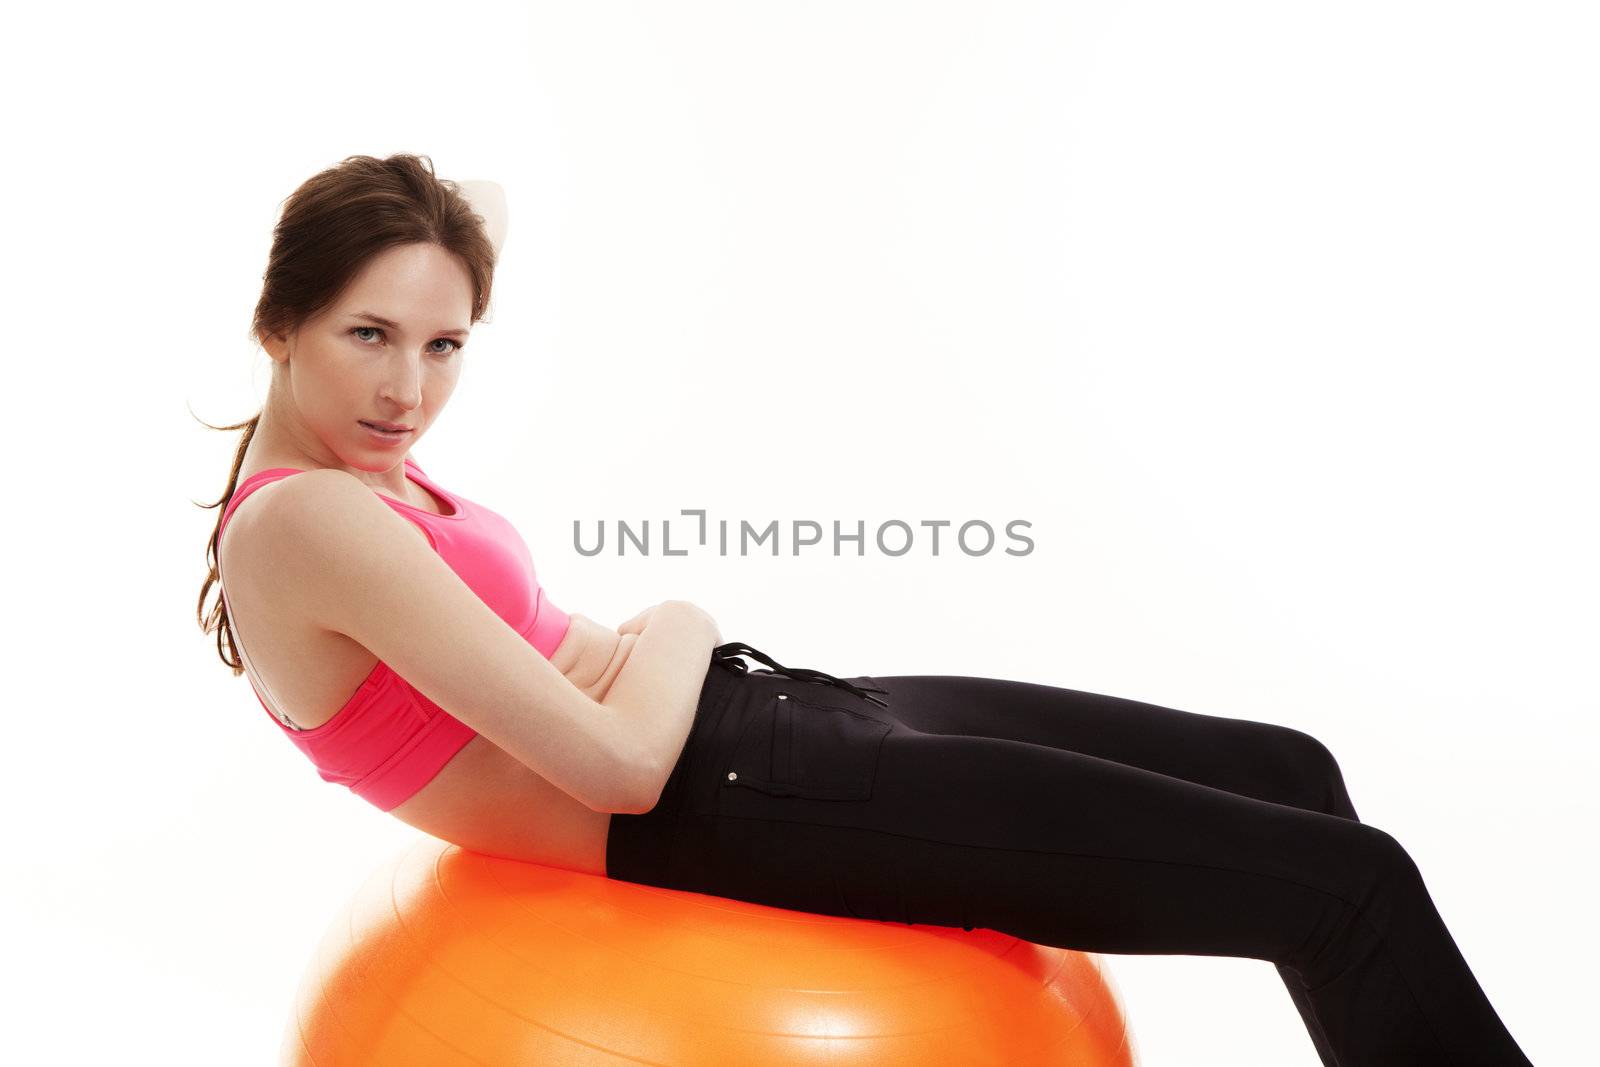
275	345
488	199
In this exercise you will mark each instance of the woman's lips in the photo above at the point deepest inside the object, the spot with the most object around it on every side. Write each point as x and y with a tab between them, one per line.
386	436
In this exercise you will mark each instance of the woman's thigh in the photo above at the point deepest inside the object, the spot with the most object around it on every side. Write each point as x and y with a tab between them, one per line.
1256	759
823	803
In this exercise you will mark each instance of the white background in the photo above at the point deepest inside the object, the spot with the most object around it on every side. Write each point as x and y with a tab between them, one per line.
1276	320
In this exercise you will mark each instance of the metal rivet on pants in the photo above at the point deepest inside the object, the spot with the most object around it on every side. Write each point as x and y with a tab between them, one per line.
733	775
783	696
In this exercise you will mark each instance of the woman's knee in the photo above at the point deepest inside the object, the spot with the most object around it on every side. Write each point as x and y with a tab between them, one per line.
1385	867
1315	779
1378	886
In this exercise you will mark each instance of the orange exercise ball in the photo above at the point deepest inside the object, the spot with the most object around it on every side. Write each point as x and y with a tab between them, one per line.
447	956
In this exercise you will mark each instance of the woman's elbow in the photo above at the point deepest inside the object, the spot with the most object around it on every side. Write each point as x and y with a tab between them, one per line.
634	791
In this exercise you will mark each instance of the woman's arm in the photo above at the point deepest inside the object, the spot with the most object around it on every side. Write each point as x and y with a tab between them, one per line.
656	692
358	568
635	625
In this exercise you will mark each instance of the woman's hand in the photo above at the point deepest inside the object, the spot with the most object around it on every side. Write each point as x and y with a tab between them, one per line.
716	632
637	624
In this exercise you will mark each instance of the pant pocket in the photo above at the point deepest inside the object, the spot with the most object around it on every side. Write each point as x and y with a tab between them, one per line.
789	747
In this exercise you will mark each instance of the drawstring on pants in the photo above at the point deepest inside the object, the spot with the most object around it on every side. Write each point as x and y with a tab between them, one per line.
727	655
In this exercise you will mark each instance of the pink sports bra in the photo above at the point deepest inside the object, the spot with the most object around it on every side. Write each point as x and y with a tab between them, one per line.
389	740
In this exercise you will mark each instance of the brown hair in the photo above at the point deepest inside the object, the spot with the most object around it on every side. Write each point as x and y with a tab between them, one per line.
330	227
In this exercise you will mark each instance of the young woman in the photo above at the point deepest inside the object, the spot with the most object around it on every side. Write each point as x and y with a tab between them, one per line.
397	634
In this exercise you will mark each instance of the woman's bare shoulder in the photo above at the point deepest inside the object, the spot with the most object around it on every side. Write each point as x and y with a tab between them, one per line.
250	540
247	512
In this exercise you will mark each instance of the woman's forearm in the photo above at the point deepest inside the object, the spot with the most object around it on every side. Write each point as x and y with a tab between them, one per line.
657	690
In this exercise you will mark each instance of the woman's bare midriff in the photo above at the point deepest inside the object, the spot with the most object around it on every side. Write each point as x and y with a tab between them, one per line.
489	802
483	799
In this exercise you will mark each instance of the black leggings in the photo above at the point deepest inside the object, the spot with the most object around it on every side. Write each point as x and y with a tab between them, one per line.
1069	819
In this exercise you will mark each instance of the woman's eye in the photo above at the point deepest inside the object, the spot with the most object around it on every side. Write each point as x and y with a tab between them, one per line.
455	345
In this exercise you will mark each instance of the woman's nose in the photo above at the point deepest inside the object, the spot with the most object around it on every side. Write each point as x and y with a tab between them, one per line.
404	384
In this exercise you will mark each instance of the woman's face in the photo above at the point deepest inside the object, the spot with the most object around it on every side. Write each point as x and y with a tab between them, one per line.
387	350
